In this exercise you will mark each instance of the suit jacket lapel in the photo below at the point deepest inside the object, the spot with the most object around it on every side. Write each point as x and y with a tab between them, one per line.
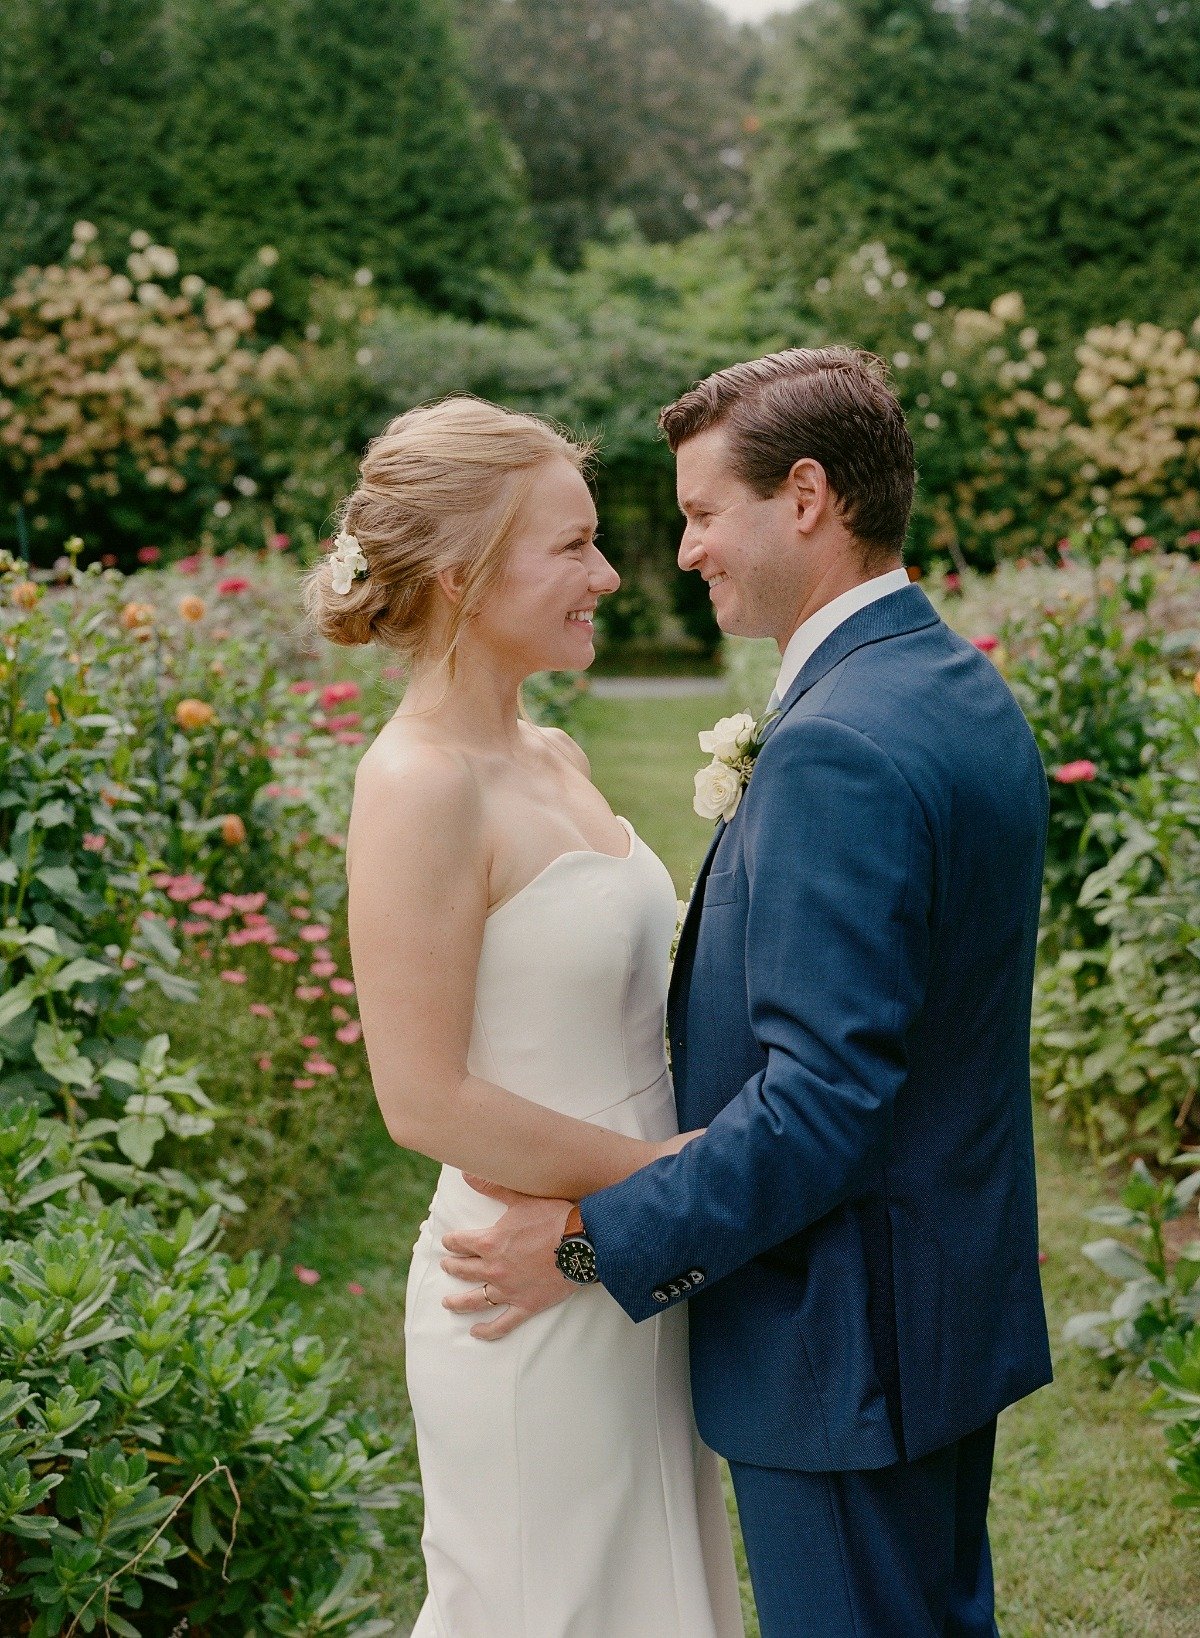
892	616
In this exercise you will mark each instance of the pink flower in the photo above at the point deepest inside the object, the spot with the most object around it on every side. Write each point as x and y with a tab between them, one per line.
320	1066
264	1063
255	918
306	1276
1192	538
190	565
1043	1256
303	1082
1076	773
214	912
339	1012
273	791
300	912
314	934
280	543
322	953
953	582
987	644
251	935
280	952
334	838
349	1033
195	928
323	969
93	842
393	673
309	1041
339	693
341	986
309	992
233	585
348	719
148	554
302	685
260	1009
1143	543
243	902
233	975
349	736
182	889
355	1290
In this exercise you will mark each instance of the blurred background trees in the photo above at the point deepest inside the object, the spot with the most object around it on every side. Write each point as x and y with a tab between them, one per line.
578	208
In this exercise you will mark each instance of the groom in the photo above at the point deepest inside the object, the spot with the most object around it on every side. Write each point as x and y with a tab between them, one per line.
856	1228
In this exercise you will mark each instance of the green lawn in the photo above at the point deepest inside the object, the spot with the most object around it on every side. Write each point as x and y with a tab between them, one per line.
1086	1541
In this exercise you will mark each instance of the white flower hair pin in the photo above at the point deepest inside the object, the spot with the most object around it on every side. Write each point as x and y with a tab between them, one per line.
733	743
347	561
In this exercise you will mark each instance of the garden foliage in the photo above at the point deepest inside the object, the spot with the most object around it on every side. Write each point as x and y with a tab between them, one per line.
172	1445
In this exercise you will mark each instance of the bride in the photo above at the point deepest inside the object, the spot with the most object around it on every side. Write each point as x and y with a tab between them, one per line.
510	941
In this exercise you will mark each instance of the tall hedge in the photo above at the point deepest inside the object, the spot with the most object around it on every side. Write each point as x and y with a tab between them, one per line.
1046	146
340	135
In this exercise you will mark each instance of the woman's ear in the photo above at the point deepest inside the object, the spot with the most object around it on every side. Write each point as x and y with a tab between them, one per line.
451	582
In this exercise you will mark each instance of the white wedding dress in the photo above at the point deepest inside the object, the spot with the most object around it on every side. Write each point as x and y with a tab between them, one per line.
567	1494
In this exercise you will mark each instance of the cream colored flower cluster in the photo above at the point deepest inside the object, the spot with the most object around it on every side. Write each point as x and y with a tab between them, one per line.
109	379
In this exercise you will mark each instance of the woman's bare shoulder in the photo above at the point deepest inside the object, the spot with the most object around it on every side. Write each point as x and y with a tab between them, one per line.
412	790
575	753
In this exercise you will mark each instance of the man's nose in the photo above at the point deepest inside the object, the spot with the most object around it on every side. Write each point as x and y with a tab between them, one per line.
690	550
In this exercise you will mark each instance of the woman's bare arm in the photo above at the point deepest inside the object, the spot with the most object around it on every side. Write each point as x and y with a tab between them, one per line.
418	901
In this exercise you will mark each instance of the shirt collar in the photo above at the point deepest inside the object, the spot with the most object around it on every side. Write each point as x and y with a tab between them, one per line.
811	633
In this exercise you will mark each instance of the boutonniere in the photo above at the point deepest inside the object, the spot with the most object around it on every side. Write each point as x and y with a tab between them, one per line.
734	744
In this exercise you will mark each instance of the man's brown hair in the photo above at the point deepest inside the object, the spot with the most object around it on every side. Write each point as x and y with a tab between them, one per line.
829	404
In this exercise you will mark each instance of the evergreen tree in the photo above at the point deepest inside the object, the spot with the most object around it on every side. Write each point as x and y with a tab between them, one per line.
1046	146
343	136
83	88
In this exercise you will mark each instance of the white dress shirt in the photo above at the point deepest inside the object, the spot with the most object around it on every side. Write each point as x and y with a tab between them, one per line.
811	633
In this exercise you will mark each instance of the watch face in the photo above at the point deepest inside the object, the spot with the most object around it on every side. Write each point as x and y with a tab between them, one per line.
576	1260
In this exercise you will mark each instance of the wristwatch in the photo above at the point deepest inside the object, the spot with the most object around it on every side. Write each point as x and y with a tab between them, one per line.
576	1255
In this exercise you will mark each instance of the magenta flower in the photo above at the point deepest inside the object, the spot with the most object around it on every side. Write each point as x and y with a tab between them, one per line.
341	986
339	693
148	554
1076	773
280	542
280	952
251	935
93	842
324	969
1143	543
190	565
348	719
260	1009
355	1290
349	736
306	1276
953	582
314	934
349	1033
987	644
309	992
233	585
302	685
233	975
209	908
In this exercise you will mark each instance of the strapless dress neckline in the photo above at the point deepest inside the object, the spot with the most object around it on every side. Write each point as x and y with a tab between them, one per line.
574	853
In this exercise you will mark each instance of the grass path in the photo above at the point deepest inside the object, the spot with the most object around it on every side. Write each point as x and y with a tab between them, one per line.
1086	1541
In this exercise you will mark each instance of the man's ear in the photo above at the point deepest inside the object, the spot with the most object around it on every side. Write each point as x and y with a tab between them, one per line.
809	489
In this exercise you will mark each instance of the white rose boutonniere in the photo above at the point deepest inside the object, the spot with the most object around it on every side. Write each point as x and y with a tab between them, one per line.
733	743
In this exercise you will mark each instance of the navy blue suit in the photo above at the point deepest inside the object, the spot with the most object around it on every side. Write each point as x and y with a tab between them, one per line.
856	1231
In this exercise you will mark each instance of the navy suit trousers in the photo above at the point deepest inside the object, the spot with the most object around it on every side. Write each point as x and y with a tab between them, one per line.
893	1552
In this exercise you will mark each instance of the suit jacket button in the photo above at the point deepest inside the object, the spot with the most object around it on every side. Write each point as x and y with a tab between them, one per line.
659	1294
696	1275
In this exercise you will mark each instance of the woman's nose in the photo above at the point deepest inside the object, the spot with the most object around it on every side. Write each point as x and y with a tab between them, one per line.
604	577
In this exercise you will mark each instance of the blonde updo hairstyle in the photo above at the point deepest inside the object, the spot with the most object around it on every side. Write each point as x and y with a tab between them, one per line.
439	489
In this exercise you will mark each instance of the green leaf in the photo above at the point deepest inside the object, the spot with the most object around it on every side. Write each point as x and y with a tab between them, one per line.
137	1135
1115	1260
60	879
